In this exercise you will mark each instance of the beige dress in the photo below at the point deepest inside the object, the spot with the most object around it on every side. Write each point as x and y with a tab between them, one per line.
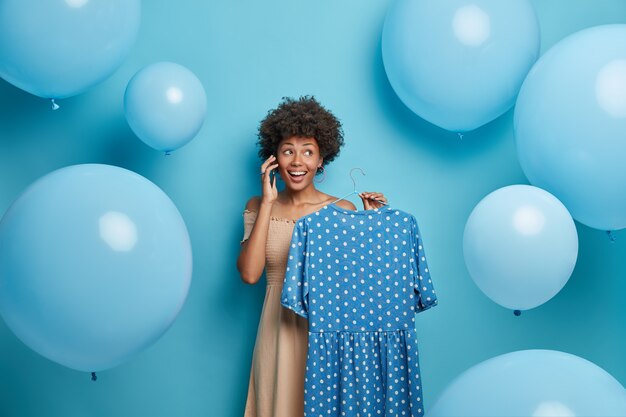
278	363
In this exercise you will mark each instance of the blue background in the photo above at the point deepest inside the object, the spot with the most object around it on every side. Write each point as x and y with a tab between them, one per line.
248	54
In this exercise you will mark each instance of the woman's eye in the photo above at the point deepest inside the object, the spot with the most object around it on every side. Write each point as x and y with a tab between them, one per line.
287	152
309	153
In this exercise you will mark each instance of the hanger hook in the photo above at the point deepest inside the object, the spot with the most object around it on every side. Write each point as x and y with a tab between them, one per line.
352	178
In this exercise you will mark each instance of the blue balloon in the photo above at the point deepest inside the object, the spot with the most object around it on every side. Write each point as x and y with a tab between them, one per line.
95	264
459	63
570	122
57	49
165	105
520	246
532	383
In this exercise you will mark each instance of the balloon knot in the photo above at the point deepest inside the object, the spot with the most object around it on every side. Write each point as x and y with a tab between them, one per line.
517	312
168	153
93	376
611	235
460	135
54	105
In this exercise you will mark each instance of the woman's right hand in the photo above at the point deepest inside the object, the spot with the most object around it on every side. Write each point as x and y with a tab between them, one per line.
270	192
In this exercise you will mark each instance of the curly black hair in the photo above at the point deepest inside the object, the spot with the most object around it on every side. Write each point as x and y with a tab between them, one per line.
304	117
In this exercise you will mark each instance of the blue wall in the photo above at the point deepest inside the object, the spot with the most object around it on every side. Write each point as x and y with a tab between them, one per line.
249	54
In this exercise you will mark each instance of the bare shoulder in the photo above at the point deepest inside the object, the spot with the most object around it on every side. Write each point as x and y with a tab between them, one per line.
253	204
346	204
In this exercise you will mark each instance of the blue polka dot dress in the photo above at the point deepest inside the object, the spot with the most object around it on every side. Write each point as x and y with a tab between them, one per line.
359	277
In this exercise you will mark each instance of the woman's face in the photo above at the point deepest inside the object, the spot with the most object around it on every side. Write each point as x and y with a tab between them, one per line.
298	161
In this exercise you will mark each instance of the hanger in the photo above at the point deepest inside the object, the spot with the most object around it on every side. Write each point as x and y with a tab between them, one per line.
355	190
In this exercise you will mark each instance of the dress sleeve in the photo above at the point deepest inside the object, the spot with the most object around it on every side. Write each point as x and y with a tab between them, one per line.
249	218
425	296
295	294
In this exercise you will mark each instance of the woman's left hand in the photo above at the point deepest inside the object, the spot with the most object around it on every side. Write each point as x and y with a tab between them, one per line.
373	200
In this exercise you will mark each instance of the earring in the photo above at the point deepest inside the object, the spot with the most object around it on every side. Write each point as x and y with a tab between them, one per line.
323	171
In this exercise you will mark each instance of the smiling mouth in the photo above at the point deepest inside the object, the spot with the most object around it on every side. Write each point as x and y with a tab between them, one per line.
297	174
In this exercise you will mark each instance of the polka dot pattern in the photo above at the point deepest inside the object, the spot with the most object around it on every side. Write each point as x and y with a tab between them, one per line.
359	277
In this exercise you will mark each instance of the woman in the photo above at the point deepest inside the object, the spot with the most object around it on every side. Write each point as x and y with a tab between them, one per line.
297	140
